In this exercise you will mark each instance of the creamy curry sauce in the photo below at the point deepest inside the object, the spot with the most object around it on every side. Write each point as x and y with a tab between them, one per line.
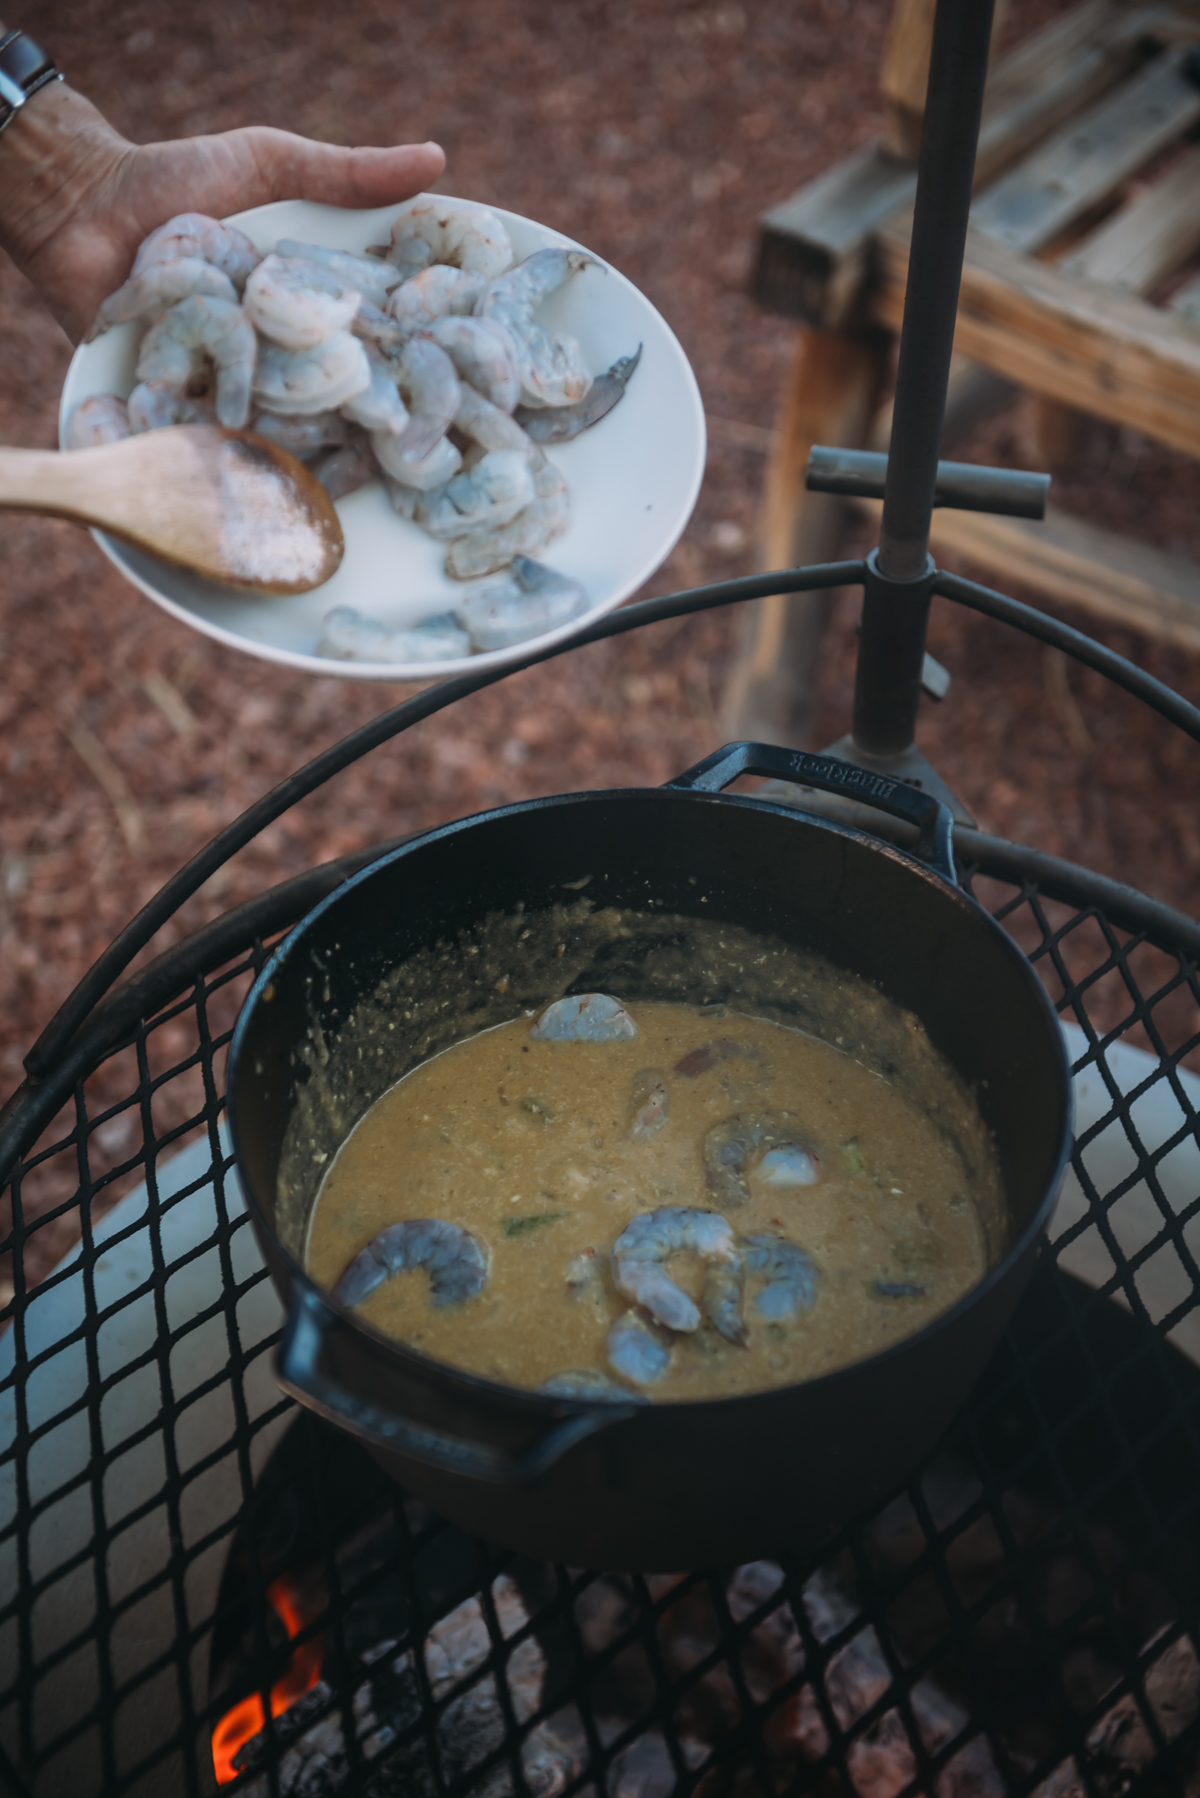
527	1145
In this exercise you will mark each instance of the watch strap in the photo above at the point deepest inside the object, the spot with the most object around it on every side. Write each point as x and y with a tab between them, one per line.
24	68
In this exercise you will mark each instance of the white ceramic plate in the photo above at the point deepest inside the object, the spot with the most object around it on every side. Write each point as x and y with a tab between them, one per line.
633	477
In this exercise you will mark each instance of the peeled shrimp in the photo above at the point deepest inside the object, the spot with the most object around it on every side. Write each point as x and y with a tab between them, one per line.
497	487
773	1145
637	1351
558	424
198	331
585	1382
453	1259
303	436
156	405
431	388
195	234
409	478
552	369
584	1018
534	599
484	551
791	1278
639	1272
377	329
298	304
379	406
373	279
350	636
101	418
484	355
314	380
434	229
438	292
153	291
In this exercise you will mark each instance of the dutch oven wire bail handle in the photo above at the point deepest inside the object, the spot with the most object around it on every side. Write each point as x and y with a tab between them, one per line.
934	821
300	1371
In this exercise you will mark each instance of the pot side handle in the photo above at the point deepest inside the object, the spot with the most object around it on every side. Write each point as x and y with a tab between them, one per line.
298	1369
933	820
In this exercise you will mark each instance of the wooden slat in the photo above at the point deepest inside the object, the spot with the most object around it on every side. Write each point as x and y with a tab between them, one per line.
1104	352
832	392
1149	237
1079	564
904	72
1187	301
815	247
1087	160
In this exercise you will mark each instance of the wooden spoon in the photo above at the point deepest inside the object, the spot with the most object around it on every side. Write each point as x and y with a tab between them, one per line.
225	504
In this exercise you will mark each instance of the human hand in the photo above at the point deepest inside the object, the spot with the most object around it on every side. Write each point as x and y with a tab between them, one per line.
76	198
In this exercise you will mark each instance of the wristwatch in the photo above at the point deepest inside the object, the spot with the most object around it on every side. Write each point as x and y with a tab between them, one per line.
24	68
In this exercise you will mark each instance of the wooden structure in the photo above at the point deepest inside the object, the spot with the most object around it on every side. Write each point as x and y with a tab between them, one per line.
1065	258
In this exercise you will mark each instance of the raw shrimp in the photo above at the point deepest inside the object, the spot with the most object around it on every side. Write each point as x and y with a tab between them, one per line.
584	1018
303	436
484	551
197	331
790	1276
298	304
453	1259
375	327
373	279
584	1382
558	424
345	470
484	355
649	1102
497	487
101	418
316	380
154	290
410	479
379	406
637	1351
434	229
439	292
550	363
155	405
533	600
784	1158
349	636
431	387
195	234
639	1273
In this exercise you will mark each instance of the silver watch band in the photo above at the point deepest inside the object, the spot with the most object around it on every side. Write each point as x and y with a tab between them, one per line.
24	68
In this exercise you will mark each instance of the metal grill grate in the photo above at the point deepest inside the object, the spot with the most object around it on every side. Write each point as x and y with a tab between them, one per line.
154	1486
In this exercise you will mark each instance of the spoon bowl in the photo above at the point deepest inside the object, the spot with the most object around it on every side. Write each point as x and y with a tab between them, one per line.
223	504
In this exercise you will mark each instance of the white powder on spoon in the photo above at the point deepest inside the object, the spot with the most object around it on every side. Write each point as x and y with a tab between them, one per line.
268	533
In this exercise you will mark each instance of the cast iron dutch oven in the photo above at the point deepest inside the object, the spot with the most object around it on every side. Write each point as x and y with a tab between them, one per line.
664	1486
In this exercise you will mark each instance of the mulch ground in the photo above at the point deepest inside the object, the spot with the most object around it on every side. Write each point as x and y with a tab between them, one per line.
655	133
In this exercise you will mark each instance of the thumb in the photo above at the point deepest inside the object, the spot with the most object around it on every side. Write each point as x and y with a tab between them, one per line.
298	168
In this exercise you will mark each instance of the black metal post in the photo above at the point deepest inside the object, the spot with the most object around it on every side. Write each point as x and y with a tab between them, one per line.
897	592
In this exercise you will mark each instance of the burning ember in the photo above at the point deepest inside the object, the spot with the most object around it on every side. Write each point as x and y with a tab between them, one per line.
246	1719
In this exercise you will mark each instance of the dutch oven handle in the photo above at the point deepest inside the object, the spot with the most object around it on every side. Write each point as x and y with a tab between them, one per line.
300	1374
933	820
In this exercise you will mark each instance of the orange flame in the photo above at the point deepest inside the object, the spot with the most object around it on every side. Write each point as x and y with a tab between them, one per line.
301	1674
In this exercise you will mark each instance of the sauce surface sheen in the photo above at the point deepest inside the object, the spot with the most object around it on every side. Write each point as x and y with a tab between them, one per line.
527	1145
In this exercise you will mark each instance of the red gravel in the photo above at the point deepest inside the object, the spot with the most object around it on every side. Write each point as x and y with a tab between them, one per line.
655	134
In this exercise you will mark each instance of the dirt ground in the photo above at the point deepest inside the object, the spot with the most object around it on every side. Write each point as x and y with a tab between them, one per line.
655	133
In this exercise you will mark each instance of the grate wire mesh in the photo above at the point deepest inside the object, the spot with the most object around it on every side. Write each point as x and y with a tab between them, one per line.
1072	1530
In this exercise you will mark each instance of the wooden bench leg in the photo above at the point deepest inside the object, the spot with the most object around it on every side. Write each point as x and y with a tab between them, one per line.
832	391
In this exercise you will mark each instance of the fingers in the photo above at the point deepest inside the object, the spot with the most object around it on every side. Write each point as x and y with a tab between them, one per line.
296	168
